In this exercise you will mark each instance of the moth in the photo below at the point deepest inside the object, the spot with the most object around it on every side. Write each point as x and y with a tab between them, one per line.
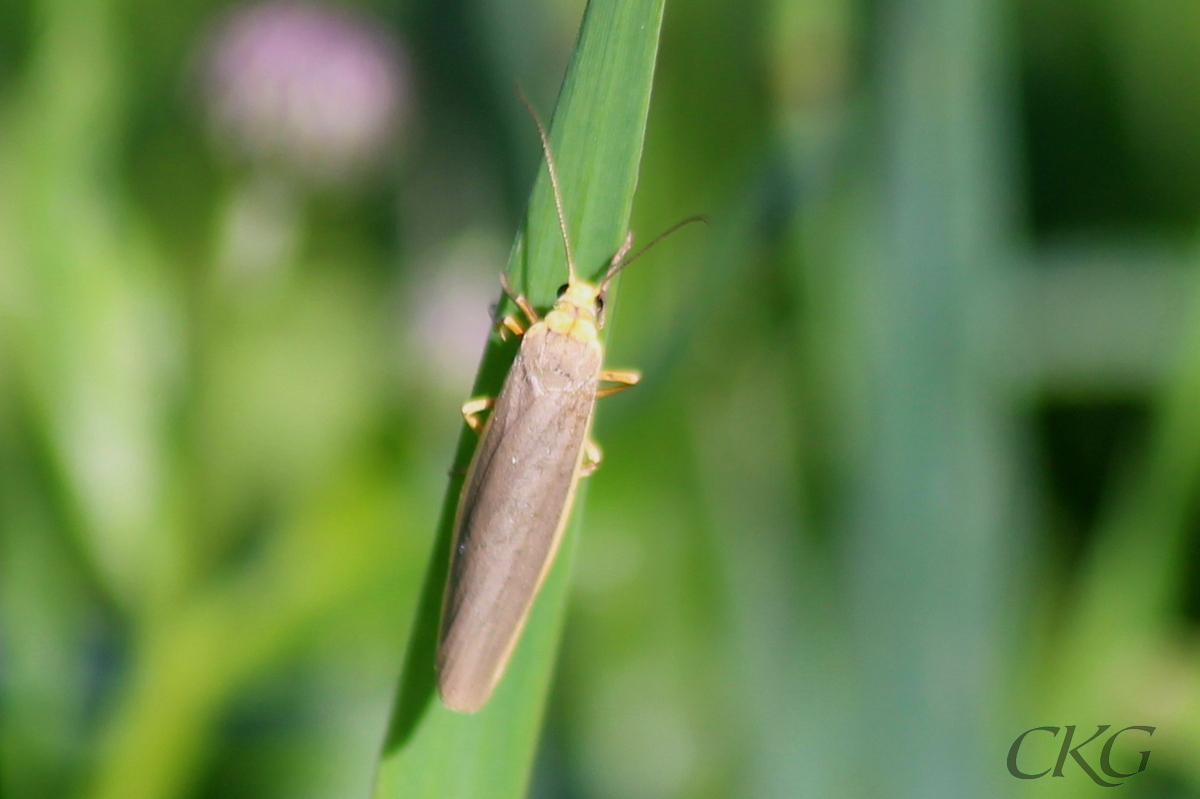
533	449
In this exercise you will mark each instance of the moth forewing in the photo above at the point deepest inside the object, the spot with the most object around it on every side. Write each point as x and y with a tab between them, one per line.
514	505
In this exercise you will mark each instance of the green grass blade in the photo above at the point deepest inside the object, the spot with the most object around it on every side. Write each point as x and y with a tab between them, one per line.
596	136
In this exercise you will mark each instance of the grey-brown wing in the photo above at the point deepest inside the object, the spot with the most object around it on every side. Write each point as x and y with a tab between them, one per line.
514	504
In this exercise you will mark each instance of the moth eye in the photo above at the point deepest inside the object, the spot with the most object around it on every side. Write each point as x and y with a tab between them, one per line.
562	289
599	305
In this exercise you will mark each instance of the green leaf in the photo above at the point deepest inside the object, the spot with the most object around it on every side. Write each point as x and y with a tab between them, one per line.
596	137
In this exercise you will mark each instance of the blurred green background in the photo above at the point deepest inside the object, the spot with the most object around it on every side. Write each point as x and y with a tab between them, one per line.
913	468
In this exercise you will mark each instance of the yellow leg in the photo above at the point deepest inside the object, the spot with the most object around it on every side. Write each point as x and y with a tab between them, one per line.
591	458
511	325
520	300
624	378
472	409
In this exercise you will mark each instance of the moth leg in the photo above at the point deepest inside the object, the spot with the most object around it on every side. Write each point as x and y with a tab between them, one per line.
623	377
621	253
626	376
591	458
519	299
511	325
472	409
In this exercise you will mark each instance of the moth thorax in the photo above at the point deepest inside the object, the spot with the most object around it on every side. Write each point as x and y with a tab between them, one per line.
574	321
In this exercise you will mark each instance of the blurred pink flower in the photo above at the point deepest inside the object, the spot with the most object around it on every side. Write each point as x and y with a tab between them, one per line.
313	88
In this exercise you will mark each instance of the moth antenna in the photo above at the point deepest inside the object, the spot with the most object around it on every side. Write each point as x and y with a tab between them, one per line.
558	200
617	267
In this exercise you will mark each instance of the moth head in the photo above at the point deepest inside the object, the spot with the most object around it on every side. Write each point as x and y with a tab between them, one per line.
581	299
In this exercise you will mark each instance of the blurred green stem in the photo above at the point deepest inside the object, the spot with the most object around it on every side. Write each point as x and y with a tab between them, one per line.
1133	581
185	670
